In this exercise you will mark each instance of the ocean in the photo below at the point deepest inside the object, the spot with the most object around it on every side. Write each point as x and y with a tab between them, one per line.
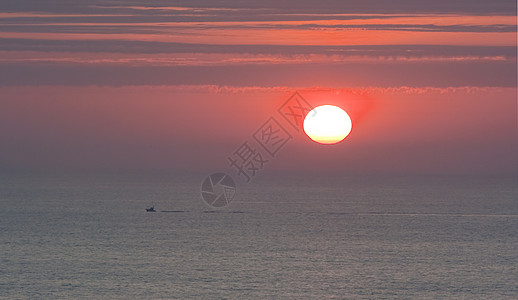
88	236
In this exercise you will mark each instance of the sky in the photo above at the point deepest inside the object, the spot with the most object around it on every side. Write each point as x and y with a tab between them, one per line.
431	86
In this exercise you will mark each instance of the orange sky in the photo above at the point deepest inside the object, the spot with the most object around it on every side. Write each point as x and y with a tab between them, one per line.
429	90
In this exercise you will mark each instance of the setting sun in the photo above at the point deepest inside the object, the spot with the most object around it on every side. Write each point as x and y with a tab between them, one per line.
327	124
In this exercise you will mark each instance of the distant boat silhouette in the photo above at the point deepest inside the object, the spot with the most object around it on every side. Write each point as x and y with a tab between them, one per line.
151	209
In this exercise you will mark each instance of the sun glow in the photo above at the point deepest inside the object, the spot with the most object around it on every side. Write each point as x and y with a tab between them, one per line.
327	124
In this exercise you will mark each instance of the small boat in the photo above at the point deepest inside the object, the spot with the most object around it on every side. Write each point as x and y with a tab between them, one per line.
151	209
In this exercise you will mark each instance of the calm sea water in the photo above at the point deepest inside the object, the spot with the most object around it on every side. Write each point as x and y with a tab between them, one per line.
89	237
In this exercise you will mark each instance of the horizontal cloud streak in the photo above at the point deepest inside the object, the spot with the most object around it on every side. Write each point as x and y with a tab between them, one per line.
292	37
215	59
440	74
112	46
272	6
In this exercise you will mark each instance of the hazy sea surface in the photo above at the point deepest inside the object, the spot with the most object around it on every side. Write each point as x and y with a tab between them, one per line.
87	236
